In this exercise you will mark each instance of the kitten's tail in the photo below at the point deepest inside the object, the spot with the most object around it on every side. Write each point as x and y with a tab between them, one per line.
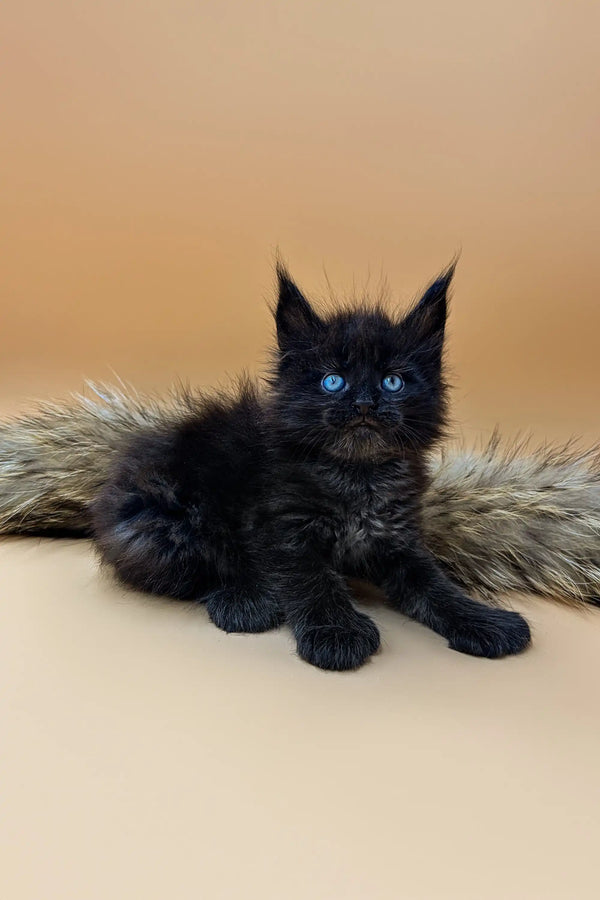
499	520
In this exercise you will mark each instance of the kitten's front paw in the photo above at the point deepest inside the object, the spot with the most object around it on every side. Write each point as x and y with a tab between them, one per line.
498	633
232	610
338	647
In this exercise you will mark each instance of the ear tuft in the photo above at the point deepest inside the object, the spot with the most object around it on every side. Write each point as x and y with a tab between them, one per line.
296	320
427	320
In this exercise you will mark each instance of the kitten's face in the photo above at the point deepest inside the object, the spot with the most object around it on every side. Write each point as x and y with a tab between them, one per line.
359	384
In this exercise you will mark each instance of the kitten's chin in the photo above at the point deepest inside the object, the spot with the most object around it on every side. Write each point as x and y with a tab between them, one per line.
360	443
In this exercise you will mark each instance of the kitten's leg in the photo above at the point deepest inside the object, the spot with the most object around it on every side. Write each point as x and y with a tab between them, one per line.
330	633
417	586
243	608
161	542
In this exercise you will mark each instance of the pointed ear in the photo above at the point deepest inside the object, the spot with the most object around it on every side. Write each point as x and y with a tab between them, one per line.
427	320
295	318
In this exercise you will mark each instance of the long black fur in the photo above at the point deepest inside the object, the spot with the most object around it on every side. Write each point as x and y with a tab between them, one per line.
263	507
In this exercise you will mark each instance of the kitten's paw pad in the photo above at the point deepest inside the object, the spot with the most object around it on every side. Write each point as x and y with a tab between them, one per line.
339	647
501	633
234	611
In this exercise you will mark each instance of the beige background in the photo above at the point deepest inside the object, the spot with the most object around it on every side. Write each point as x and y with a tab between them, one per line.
153	155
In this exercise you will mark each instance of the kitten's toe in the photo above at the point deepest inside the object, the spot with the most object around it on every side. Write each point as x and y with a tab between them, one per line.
338	647
498	633
233	610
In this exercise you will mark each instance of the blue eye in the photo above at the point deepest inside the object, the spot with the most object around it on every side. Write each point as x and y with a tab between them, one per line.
392	383
333	382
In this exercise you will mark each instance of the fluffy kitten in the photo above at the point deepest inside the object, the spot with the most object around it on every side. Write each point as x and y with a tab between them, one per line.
263	507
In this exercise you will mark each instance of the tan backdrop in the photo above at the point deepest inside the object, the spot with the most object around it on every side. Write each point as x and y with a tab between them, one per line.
154	154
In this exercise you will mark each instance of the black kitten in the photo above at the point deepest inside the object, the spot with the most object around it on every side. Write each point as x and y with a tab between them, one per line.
262	506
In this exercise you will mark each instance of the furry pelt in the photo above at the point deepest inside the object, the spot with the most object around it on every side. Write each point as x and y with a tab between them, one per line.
503	519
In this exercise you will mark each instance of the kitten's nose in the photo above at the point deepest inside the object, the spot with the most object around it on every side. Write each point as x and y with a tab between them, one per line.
363	408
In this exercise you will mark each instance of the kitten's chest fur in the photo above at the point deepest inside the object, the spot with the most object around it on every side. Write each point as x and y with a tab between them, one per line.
376	511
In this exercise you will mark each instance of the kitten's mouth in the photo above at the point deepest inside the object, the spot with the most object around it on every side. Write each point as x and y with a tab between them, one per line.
364	423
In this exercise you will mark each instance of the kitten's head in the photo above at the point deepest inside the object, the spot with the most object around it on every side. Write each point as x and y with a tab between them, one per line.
359	383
